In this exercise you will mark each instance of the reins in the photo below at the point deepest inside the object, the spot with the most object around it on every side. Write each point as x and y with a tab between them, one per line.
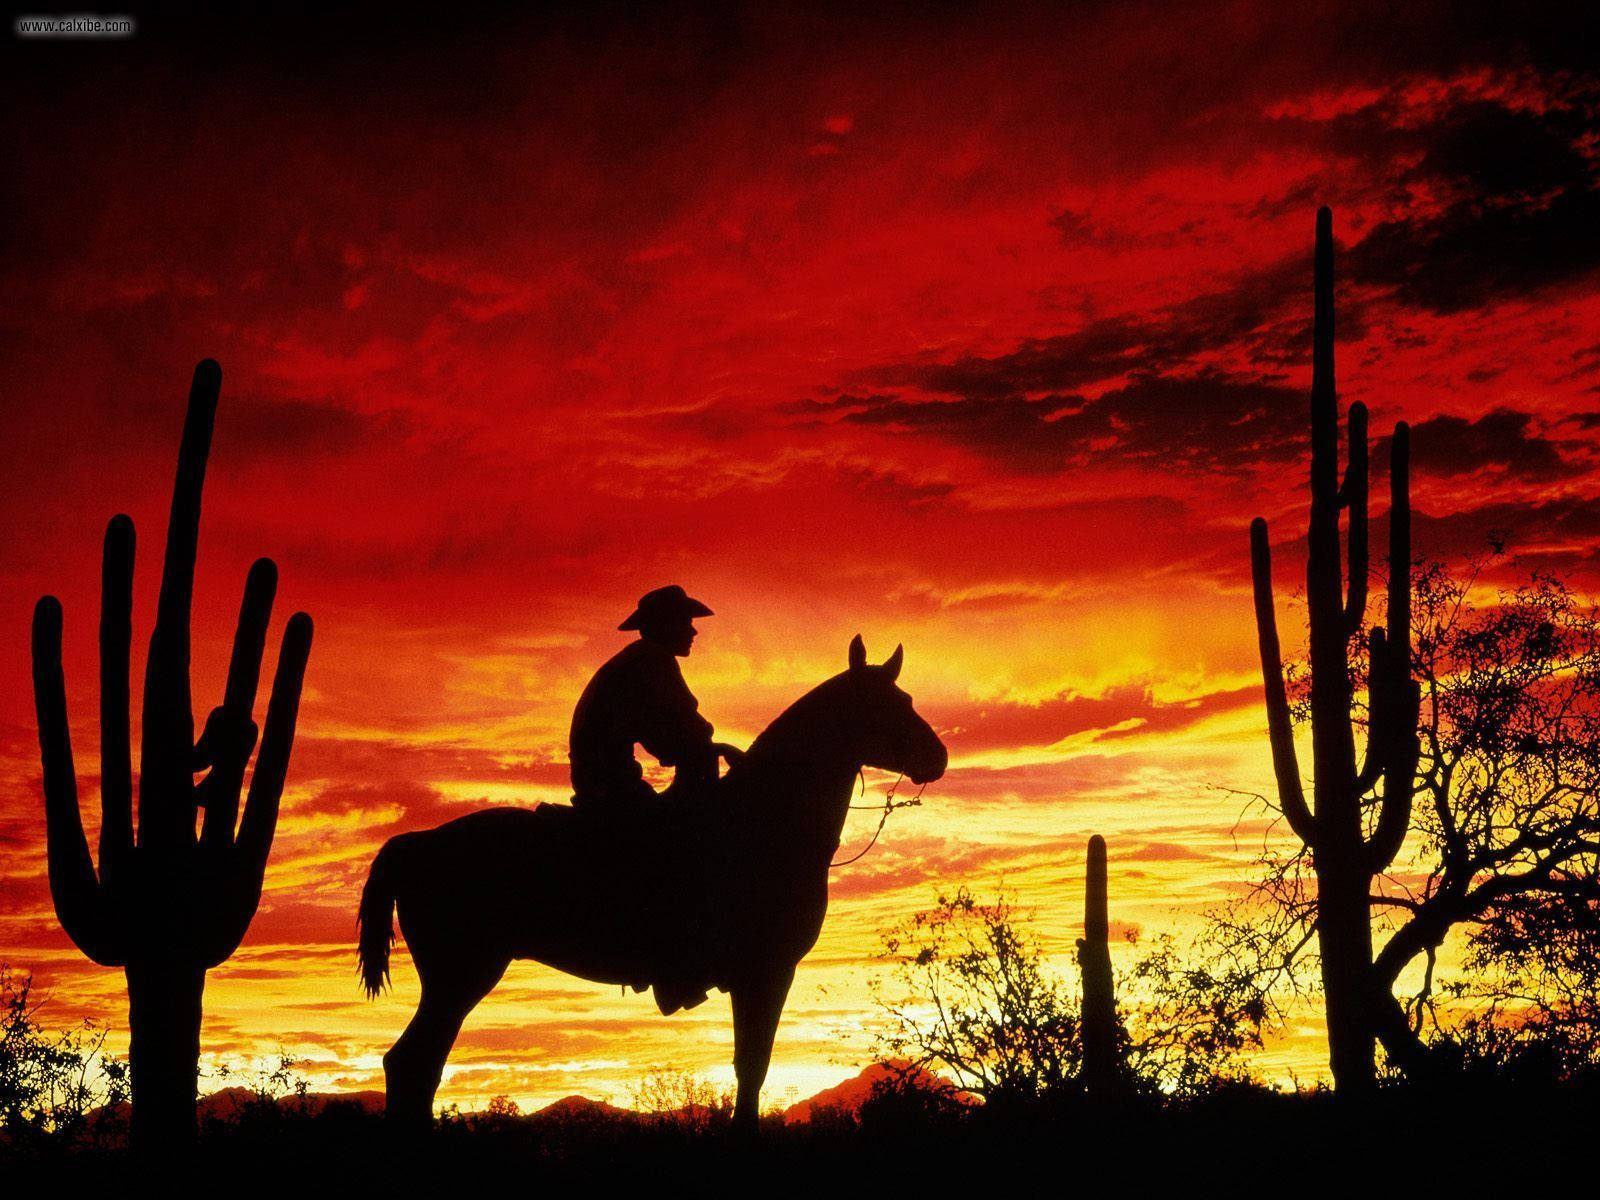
888	806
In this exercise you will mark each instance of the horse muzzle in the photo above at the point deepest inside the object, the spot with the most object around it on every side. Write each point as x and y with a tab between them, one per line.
926	769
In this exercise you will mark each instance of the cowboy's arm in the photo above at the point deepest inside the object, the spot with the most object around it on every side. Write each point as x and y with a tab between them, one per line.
677	735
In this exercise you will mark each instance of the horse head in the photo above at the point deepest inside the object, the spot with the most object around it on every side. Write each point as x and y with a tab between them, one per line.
887	731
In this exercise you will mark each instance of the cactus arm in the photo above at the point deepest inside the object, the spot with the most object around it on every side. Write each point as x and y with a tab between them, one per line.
116	637
1400	549
1280	728
272	766
230	734
1332	741
1380	710
1403	696
1394	818
1354	496
73	885
260	820
166	776
1096	914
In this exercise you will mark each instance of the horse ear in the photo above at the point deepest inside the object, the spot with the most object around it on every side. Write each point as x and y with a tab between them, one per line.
858	653
891	666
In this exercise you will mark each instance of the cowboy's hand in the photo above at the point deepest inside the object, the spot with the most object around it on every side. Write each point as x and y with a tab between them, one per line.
730	754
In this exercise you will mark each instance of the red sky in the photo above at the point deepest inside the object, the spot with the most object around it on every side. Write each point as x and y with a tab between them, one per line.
985	331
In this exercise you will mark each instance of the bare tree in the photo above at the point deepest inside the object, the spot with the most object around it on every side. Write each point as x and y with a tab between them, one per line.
1503	842
1509	826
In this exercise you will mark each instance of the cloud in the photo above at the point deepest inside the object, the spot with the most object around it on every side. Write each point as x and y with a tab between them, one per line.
1125	711
1203	422
1568	523
1162	852
1501	202
1501	440
1108	348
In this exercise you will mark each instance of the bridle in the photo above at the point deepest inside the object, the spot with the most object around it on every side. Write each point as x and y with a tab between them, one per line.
888	806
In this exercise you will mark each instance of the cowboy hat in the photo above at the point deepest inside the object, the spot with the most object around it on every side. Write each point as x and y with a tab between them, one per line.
664	603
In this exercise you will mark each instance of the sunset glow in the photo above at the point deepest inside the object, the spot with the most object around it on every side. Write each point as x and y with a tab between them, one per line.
984	335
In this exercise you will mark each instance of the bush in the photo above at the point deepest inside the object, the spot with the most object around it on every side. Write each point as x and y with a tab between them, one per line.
51	1082
976	1002
683	1099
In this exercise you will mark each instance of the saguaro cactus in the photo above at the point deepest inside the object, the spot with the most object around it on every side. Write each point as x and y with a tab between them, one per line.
166	904
1101	1064
1360	811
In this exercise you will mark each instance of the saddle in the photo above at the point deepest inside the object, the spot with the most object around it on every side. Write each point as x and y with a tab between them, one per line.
660	863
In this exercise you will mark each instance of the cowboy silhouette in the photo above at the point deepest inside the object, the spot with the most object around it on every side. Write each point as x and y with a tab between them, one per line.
639	697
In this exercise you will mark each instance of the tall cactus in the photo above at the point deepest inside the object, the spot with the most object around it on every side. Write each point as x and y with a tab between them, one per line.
167	905
1101	1059
1354	827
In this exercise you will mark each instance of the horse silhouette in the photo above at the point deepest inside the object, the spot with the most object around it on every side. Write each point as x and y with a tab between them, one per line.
733	888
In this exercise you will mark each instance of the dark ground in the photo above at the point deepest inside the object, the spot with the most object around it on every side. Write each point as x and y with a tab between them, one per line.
1464	1139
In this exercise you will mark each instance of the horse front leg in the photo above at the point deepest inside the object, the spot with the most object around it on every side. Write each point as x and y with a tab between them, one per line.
757	1005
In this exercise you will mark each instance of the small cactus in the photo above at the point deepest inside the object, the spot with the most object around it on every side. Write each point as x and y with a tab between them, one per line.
167	905
1101	1055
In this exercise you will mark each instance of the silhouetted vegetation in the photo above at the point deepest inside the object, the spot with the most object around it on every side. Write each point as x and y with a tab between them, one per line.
683	1098
61	1090
167	903
905	1138
1098	1025
1504	850
970	996
1360	810
51	1081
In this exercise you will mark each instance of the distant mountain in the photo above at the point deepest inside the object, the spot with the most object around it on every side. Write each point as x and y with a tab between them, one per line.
849	1096
578	1106
227	1103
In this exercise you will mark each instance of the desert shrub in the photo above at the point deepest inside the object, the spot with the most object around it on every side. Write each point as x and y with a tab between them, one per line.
51	1081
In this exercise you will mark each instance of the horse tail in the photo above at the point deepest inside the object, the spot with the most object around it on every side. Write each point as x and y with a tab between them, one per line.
375	920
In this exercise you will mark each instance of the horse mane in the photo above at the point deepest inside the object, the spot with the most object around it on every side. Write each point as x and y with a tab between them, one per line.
788	752
794	727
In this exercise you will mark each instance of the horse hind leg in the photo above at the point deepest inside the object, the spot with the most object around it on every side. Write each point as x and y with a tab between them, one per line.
415	1064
